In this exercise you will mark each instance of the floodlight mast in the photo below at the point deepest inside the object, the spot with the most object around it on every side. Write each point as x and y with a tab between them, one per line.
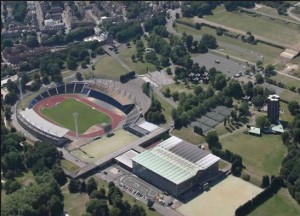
21	92
75	116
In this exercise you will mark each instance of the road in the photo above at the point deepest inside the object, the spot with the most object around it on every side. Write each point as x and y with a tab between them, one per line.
289	12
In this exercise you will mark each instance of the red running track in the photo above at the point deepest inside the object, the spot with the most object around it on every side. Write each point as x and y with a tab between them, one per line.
53	100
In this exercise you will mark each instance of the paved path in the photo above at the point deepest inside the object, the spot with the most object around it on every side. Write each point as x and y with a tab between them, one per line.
289	12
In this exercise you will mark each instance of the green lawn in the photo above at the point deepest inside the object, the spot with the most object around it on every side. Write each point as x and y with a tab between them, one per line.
74	203
286	116
278	205
108	68
167	108
272	12
177	87
104	146
269	53
286	33
286	80
139	67
261	155
26	179
69	166
187	133
87	115
289	95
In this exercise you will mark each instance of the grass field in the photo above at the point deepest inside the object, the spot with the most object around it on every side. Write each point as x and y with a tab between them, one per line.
87	115
222	199
177	87
104	146
108	68
74	203
69	166
279	31
166	107
26	179
272	12
139	67
280	204
289	95
286	80
270	53
261	155
286	116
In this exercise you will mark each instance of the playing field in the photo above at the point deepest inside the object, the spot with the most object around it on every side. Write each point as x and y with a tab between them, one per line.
62	114
104	146
221	199
275	30
261	155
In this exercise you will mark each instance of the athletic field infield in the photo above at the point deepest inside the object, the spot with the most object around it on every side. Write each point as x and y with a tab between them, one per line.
62	114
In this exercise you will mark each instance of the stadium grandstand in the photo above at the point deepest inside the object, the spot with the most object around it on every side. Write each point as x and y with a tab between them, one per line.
175	166
141	128
101	91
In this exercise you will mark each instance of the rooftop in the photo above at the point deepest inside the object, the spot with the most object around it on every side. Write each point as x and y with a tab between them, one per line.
176	160
273	97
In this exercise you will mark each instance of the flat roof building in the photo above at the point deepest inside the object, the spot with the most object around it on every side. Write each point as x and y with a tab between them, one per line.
175	165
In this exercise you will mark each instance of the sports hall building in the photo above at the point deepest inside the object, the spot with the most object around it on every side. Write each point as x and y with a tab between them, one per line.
175	166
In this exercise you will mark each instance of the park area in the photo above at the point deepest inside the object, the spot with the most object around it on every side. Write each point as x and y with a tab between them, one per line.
280	204
221	199
273	29
261	155
63	115
104	146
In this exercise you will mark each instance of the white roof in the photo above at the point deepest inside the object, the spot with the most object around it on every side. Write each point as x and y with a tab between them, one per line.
273	97
12	78
254	130
36	120
126	158
278	128
148	126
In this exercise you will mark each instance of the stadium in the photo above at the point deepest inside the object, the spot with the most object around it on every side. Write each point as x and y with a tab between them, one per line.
76	110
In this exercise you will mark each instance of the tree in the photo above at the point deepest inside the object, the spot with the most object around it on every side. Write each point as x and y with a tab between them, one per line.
189	41
137	211
293	107
167	92
56	205
270	70
32	41
95	194
198	130
262	122
150	203
78	76
259	78
225	122
133	57
97	207
219	81
175	96
91	185
71	63
258	101
7	43
209	41
244	109
74	185
168	70
265	181
212	140
59	175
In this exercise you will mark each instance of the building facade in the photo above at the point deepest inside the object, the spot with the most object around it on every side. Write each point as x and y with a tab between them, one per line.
273	108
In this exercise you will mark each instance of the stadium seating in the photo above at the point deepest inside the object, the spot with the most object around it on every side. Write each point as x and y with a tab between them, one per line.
45	94
78	87
70	88
52	91
85	91
61	89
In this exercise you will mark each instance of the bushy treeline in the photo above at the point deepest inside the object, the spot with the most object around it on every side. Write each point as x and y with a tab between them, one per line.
124	32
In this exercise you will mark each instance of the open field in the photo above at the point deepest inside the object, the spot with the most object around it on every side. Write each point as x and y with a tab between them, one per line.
280	204
177	87
167	108
236	47
272	12
87	115
74	203
289	95
139	67
221	199
260	25
67	73
108	68
187	133
286	80
286	116
261	155
67	165
104	146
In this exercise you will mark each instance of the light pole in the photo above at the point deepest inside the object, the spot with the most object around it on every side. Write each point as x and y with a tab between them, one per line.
21	93
75	116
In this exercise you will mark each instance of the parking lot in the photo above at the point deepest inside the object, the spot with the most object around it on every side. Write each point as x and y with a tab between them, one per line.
227	66
133	185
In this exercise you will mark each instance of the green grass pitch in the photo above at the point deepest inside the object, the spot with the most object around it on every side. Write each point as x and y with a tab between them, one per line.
62	114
